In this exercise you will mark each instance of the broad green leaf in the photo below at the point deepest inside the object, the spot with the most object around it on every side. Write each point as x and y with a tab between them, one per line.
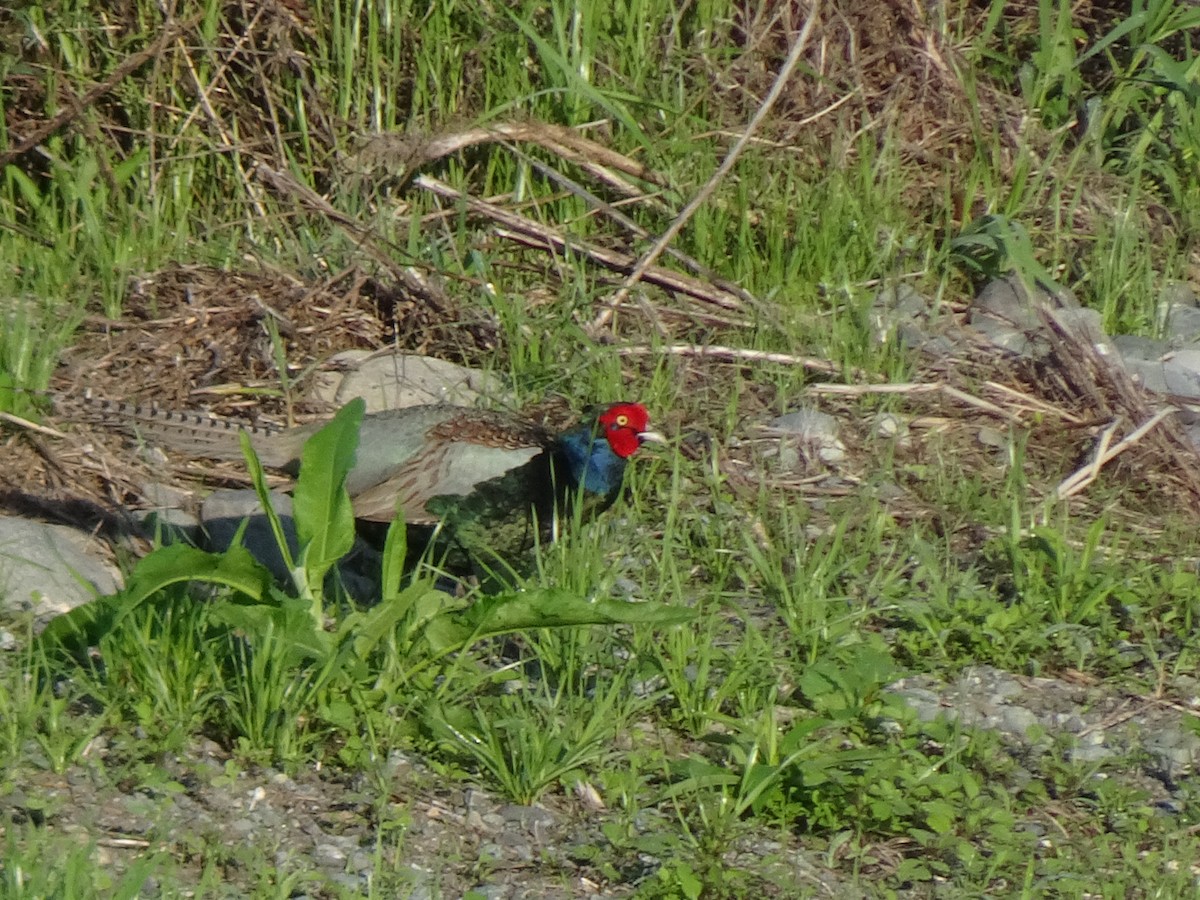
939	816
697	775
445	630
321	507
258	478
1124	27
235	568
381	620
1173	73
797	735
288	618
395	551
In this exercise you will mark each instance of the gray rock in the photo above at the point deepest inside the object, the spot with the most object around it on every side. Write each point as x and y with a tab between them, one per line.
888	491
1158	368
994	437
1086	752
1178	293
1166	366
1017	720
1182	325
165	496
328	856
1180	317
515	846
420	884
1188	686
528	816
491	891
1176	750
899	310
1008	314
1181	371
1010	298
890	426
1006	688
1136	346
1191	426
1148	373
914	695
806	433
1071	723
789	457
809	424
1003	334
1153	746
479	801
929	712
390	380
50	569
1084	324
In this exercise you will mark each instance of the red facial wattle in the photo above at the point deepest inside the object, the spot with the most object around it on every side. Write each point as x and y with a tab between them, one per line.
623	425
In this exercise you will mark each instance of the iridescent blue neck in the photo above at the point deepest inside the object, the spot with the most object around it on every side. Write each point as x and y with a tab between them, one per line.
591	462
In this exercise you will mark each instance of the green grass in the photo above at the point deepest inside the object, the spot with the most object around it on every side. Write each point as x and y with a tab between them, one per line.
766	714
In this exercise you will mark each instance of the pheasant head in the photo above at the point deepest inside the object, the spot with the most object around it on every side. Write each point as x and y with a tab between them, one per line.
595	451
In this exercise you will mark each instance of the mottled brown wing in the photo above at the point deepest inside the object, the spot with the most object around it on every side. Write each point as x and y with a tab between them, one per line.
458	454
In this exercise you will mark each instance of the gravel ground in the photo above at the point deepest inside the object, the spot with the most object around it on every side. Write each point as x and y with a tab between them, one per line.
405	831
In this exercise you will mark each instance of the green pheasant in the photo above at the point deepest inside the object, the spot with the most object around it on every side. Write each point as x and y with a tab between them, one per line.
487	484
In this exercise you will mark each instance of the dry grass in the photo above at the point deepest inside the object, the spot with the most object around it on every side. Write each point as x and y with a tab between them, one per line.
195	336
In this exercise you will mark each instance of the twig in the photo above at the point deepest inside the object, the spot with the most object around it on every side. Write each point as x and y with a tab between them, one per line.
31	426
648	258
690	263
519	228
779	145
123	843
1034	404
215	120
601	161
74	110
698	317
1080	479
936	387
622	262
738	354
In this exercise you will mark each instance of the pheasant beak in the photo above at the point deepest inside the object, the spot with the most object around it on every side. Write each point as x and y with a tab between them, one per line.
651	437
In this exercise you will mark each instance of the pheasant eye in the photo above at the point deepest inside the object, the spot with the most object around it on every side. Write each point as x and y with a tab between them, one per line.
622	421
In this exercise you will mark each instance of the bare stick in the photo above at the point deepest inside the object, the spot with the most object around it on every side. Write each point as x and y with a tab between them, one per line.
519	228
202	95
718	176
74	110
688	262
1033	404
621	262
412	152
738	354
913	388
31	426
1076	482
